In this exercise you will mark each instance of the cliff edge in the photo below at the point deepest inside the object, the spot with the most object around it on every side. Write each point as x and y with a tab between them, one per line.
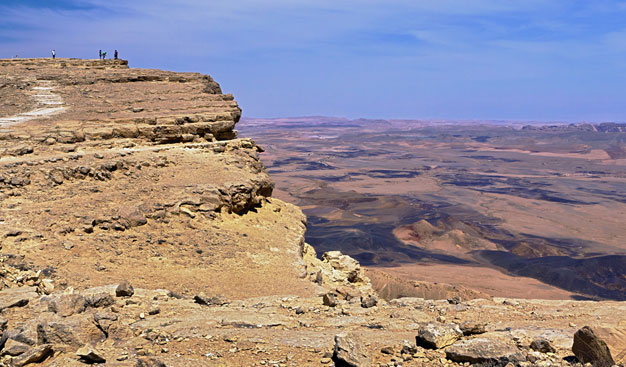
138	229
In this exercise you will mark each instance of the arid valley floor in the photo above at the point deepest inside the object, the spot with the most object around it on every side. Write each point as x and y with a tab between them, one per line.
139	228
501	208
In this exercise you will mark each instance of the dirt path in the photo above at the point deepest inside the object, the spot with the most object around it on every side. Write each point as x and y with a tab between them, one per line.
48	104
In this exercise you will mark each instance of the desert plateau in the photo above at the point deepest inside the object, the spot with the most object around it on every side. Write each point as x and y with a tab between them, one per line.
143	224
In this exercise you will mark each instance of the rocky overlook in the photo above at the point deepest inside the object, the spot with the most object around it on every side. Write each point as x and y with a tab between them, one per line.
138	229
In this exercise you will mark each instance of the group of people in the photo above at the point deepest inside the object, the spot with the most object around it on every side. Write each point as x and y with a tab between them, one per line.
103	55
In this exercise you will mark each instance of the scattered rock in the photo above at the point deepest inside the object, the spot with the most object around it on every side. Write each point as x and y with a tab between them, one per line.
150	362
437	336
66	305
473	328
47	285
14	348
329	299
542	346
88	354
387	350
203	299
369	301
99	300
350	350
481	350
17	297
589	348
124	289
33	355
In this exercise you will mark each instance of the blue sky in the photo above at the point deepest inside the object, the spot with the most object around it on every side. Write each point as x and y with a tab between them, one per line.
549	60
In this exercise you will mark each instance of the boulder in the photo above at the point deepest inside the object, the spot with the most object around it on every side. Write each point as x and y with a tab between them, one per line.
99	300
66	305
542	346
436	336
17	297
589	348
350	350
124	289
71	333
484	350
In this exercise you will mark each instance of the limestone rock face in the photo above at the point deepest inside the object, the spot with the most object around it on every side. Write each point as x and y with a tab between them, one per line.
135	174
589	348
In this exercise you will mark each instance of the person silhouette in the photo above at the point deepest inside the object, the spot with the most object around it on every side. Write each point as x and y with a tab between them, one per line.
115	55
54	54
104	55
100	54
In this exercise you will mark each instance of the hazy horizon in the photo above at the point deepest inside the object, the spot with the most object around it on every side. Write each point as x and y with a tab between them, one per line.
538	60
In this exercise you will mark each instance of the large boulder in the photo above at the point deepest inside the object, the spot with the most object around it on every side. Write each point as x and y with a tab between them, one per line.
437	336
589	348
482	350
70	333
350	350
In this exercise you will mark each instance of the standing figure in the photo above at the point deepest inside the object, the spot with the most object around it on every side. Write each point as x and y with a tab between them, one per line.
54	54
115	55
100	54
104	55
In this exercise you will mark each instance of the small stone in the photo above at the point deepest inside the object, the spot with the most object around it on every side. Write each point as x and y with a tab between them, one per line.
142	315
33	355
89	354
369	301
436	336
47	285
326	360
124	289
473	328
300	311
14	348
203	299
329	299
387	350
154	311
542	346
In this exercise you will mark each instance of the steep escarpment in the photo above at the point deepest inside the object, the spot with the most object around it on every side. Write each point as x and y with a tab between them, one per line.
138	229
139	174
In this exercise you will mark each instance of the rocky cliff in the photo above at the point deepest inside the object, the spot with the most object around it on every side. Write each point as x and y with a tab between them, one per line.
138	229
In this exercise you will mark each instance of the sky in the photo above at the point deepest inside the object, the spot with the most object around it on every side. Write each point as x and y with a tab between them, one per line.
541	60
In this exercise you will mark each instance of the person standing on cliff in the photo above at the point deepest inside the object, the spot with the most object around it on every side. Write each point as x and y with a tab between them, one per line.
104	55
100	57
115	55
54	54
